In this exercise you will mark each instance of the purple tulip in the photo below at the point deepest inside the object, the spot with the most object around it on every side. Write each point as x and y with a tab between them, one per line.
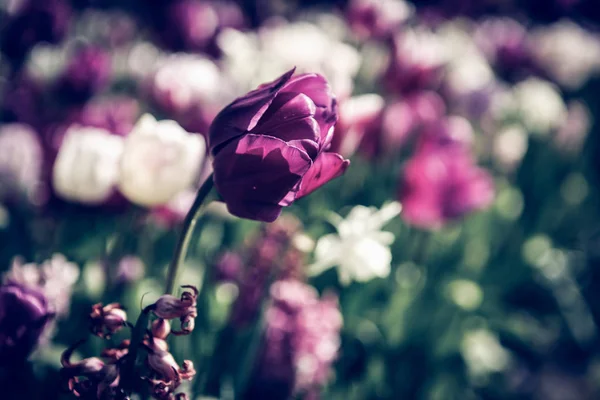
441	182
192	25
505	44
116	114
268	146
24	315
88	71
417	61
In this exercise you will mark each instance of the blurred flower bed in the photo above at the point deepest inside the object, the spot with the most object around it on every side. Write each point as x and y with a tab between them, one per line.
361	199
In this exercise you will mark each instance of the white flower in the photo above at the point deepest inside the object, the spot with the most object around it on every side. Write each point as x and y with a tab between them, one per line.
510	146
422	47
160	159
253	58
467	70
483	353
182	81
540	105
360	249
86	169
571	54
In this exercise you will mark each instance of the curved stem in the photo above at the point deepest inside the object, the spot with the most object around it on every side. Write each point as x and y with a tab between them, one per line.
186	234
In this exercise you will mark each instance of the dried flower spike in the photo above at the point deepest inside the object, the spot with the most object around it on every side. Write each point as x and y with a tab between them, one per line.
107	320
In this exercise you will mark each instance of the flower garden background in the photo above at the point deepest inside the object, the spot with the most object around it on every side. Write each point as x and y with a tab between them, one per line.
361	199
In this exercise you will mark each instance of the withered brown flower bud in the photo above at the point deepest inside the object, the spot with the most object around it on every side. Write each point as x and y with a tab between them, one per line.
107	320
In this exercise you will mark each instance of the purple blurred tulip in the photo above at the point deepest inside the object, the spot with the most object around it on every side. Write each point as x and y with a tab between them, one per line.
417	62
375	129
116	114
376	18
192	25
442	182
301	342
505	44
87	72
24	315
268	146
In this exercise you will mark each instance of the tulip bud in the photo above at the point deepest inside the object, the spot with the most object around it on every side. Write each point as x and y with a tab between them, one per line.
269	145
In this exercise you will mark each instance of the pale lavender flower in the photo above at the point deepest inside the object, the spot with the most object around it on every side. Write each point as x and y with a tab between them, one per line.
129	269
573	131
54	277
300	344
266	257
21	157
567	52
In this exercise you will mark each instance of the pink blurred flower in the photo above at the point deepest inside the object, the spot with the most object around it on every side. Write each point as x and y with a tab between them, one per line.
376	18
372	128
55	277
417	61
442	182
193	25
117	114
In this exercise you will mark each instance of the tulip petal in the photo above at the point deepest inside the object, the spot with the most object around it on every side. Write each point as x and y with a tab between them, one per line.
243	114
317	88
313	85
255	173
286	107
326	167
306	130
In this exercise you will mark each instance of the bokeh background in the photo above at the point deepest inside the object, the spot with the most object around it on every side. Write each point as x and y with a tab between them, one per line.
492	289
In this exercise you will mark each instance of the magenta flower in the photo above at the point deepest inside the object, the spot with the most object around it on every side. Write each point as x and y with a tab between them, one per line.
268	146
442	183
24	315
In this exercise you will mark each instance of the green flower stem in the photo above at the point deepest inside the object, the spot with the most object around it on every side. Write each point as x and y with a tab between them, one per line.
186	234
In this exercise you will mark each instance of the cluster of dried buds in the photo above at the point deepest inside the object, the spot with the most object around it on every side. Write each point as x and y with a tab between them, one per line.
104	378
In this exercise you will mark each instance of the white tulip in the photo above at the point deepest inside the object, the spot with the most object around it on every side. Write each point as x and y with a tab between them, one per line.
540	105
160	159
360	249
86	169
